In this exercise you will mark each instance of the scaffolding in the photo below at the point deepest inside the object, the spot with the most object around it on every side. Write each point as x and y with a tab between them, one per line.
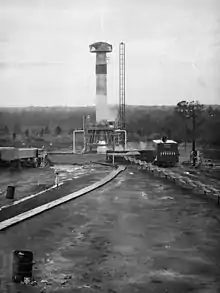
97	135
121	117
121	123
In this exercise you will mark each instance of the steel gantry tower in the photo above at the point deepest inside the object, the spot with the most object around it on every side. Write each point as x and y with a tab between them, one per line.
122	86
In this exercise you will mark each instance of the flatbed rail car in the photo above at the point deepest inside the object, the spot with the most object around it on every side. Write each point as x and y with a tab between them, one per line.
7	153
147	155
118	156
166	153
25	156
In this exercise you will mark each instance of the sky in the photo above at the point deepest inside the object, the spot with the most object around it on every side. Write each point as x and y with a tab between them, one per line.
172	51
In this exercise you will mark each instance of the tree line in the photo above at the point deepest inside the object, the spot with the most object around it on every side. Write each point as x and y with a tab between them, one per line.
185	122
188	121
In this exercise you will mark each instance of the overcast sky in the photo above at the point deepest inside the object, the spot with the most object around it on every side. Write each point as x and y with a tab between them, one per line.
172	50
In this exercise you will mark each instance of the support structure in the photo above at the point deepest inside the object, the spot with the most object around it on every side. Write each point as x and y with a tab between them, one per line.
74	138
122	122
97	137
100	137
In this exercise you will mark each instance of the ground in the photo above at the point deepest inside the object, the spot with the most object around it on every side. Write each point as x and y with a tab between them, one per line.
136	234
79	178
31	181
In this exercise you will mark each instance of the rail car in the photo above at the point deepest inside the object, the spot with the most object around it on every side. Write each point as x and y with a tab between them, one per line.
163	153
25	156
166	152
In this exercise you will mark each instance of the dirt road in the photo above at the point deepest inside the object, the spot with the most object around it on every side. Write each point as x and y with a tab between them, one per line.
135	234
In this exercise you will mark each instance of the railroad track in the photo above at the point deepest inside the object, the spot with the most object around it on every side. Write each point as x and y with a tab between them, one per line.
182	180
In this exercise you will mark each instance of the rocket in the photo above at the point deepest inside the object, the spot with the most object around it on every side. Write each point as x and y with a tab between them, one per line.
101	49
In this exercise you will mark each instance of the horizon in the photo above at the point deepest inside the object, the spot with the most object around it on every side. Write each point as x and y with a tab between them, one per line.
172	51
93	106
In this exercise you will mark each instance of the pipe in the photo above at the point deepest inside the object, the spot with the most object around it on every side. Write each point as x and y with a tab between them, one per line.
84	129
125	133
74	138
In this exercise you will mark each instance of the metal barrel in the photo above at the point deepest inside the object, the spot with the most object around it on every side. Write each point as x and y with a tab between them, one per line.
10	192
22	265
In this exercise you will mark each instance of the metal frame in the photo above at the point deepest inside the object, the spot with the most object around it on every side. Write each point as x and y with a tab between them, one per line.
91	135
122	118
74	138
125	137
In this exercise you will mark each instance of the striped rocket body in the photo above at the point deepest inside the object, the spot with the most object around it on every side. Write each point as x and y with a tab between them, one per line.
101	87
